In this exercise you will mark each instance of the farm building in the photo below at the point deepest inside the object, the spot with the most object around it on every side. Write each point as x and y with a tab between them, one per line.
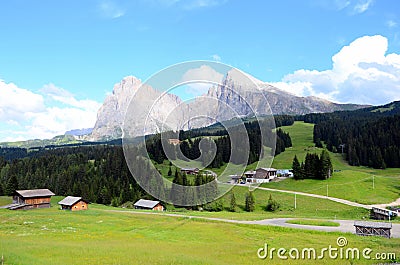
148	205
31	199
190	171
73	203
261	175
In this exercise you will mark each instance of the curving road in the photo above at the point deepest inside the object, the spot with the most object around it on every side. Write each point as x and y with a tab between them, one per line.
346	226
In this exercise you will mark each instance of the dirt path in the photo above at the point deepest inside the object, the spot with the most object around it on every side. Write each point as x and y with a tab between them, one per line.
384	205
343	201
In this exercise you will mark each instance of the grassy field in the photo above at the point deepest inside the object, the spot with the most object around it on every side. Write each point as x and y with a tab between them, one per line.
312	222
98	236
307	207
351	183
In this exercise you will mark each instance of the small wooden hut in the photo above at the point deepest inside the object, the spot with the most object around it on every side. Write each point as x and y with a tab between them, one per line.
148	205
31	199
73	203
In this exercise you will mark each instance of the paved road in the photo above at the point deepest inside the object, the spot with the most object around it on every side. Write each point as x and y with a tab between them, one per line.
346	226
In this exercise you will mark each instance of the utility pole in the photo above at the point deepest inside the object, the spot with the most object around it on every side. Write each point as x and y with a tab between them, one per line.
295	201
373	182
342	146
327	190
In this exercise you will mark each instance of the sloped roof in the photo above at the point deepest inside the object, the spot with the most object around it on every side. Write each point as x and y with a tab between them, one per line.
190	169
267	168
146	203
373	224
35	193
70	200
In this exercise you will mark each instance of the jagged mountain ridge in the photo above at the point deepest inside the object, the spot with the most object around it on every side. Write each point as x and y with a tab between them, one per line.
269	100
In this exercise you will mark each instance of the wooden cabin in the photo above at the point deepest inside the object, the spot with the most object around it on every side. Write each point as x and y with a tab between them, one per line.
73	203
31	199
148	205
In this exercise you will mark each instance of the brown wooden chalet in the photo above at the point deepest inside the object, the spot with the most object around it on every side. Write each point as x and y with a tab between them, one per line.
148	205
31	199
73	203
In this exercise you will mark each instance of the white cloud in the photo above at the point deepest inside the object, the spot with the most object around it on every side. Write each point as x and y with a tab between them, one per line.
216	57
205	75
50	112
341	4
194	4
109	9
362	6
15	101
361	73
352	7
391	23
188	4
64	96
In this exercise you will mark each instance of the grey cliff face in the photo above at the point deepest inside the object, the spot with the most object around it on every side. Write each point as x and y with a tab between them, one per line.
232	98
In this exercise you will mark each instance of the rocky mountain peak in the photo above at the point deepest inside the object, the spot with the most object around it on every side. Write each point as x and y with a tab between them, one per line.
237	95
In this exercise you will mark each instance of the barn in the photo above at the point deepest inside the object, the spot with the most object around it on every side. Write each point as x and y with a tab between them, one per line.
31	199
148	205
73	203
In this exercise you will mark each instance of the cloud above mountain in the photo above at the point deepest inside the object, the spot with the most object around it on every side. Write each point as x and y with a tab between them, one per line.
51	111
361	72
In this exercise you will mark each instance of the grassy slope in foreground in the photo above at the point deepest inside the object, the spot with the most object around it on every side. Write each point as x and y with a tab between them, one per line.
351	183
52	236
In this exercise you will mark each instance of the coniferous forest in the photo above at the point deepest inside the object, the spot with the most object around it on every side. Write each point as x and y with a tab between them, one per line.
368	137
99	173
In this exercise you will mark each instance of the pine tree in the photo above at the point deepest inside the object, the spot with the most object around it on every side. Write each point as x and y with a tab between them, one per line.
232	206
272	205
296	168
12	185
250	202
1	190
169	171
326	165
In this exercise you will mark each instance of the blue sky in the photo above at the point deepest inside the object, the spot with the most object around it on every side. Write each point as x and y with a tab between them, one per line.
59	59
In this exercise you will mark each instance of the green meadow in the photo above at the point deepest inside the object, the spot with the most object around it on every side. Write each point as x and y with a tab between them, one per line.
100	236
358	184
306	207
105	236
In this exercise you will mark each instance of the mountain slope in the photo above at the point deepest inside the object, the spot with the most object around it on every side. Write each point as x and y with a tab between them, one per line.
233	97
